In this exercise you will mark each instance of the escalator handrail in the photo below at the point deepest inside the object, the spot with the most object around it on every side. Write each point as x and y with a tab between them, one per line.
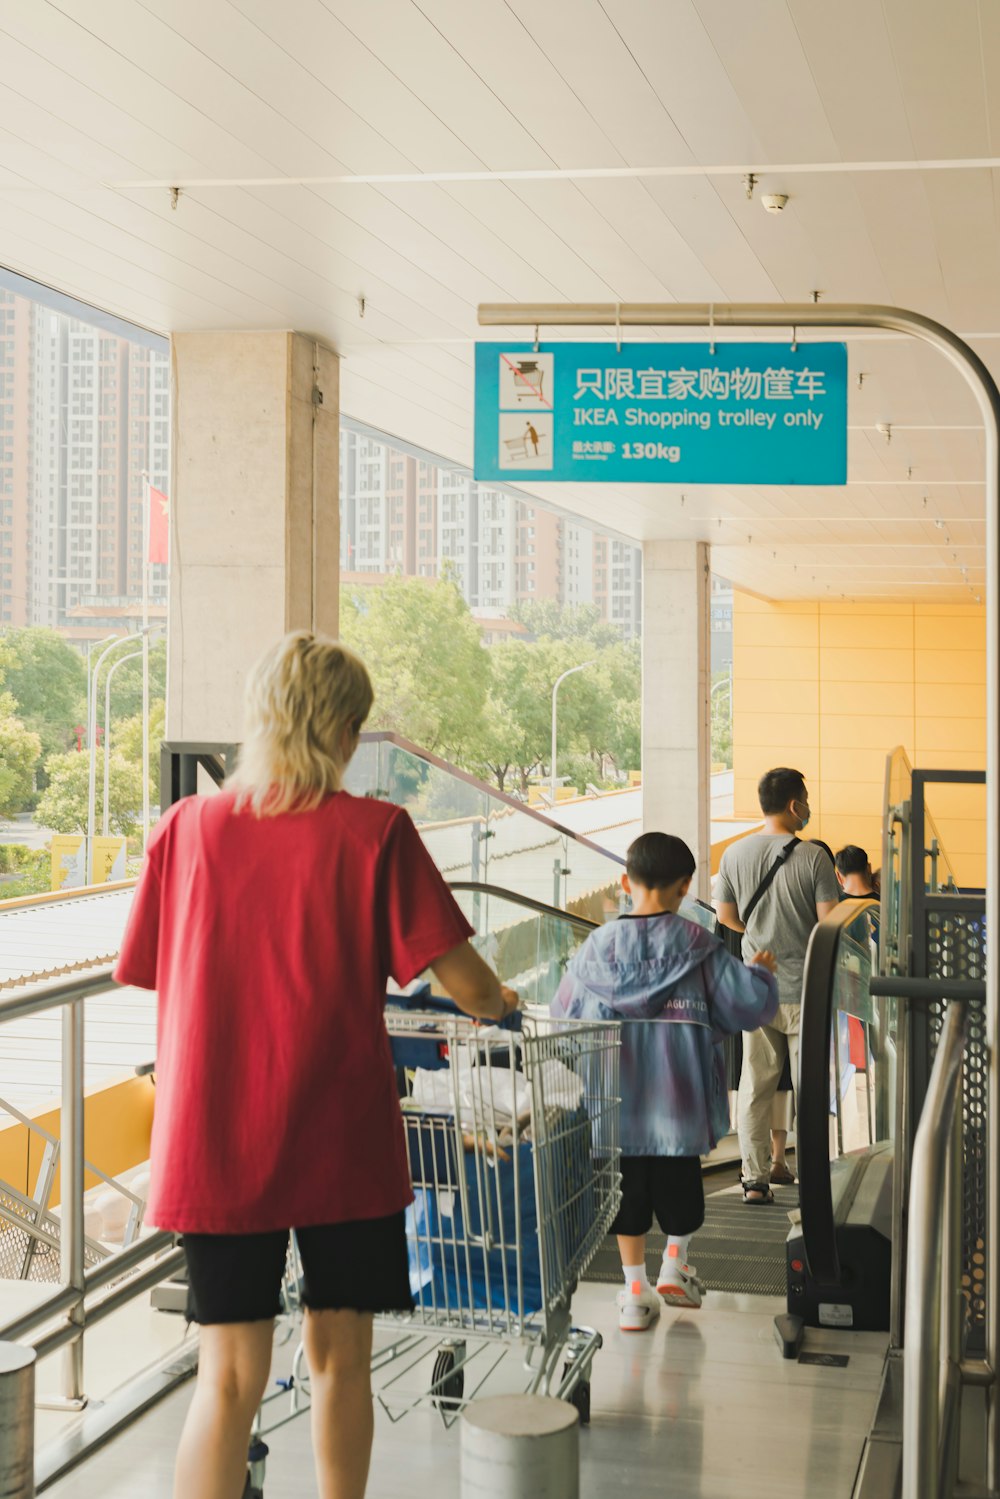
477	887
812	1102
386	736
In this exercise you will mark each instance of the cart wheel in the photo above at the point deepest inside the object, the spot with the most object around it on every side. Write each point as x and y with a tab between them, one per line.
449	1382
580	1397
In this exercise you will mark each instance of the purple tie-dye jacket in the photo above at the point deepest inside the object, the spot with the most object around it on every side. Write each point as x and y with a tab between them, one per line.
673	1078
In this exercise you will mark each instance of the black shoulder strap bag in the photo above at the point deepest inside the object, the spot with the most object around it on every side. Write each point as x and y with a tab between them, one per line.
765	883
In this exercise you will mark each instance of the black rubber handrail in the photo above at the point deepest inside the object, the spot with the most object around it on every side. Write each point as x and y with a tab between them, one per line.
812	1101
477	887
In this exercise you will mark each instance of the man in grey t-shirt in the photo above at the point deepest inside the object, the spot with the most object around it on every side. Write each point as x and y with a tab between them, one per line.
803	891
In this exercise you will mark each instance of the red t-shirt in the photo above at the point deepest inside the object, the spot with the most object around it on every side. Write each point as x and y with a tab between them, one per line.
269	942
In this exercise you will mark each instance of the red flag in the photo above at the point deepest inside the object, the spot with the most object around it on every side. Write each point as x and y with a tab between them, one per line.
159	525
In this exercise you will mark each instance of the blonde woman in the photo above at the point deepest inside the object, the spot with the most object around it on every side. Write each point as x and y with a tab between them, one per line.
268	919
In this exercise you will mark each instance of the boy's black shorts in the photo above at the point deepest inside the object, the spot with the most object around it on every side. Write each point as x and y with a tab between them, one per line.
669	1186
360	1266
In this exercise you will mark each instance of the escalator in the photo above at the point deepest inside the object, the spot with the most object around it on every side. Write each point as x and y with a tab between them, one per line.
839	1256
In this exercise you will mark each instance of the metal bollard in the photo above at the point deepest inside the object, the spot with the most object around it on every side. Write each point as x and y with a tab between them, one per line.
520	1447
17	1421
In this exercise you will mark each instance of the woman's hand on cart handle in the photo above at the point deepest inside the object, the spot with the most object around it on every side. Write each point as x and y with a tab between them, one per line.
511	1001
472	984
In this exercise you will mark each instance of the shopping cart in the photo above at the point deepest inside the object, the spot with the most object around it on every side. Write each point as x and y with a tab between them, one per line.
529	377
513	1146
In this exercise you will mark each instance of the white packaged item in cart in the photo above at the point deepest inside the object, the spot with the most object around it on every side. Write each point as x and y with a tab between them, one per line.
499	1094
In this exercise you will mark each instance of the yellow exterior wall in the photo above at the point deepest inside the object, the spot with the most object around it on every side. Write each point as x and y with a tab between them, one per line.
118	1122
831	688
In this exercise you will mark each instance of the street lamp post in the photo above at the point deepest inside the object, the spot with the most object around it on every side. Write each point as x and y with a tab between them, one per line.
552	762
132	656
91	737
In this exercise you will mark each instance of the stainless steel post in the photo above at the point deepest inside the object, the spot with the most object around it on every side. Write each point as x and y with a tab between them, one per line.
71	1191
926	1294
17	1421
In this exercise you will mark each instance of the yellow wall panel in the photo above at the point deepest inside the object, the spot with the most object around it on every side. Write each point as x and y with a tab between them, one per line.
882	608
794	730
937	632
862	631
846	798
941	736
787	663
873	664
751	761
949	700
746	603
951	799
959	836
772	629
954	611
858	764
882	674
775	696
874	698
844	731
862	828
954	759
952	666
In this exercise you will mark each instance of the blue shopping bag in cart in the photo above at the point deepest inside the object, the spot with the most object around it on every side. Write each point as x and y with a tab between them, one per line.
451	1269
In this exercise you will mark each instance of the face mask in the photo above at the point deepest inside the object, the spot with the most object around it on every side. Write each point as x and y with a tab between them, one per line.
803	821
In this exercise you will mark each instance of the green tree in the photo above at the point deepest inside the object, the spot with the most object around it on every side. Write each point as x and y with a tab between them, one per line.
430	670
516	735
24	871
722	718
48	679
19	752
63	804
546	619
126	740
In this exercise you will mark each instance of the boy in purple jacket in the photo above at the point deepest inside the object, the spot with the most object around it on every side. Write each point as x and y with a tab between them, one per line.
655	966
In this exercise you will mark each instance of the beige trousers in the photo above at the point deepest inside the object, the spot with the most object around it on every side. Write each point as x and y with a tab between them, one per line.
763	1058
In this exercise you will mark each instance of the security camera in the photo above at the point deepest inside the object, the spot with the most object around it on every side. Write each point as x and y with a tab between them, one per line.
774	202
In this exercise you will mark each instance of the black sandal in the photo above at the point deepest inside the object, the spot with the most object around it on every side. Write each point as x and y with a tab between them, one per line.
764	1194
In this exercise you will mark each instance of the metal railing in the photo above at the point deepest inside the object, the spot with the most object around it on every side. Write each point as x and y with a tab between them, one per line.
932	1353
61	1320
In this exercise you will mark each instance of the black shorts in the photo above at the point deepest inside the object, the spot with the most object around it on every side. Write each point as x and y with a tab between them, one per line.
669	1186
361	1267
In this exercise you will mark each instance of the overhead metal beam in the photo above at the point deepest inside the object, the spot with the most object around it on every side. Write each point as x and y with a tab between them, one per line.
846	316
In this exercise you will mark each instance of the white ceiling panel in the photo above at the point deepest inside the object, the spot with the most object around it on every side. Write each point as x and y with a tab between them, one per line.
244	104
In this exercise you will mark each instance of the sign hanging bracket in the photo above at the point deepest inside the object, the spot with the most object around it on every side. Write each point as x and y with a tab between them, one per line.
618	327
711	327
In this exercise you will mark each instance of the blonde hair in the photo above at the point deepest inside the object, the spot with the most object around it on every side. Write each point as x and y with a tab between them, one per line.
301	696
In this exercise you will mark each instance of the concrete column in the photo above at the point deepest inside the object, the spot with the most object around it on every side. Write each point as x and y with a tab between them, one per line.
676	672
255	520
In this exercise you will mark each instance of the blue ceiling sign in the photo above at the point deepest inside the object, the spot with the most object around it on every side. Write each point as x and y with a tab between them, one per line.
662	413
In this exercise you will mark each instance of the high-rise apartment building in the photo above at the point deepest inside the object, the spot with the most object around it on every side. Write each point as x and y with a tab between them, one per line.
84	420
407	514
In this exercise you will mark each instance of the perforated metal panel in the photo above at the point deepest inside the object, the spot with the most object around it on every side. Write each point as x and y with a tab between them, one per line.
956	948
22	1255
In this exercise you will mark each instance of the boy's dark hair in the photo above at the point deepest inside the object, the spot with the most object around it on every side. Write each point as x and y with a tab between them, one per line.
776	788
656	860
852	860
